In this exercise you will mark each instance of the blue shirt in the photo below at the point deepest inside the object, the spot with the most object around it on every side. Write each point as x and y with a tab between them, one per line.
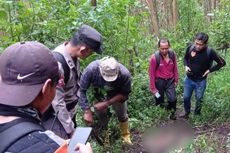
92	76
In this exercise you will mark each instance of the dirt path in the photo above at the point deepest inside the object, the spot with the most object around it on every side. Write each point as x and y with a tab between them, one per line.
214	134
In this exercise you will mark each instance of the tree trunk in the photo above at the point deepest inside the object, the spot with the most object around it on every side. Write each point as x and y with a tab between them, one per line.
175	13
209	4
154	17
205	7
94	2
214	4
170	14
166	18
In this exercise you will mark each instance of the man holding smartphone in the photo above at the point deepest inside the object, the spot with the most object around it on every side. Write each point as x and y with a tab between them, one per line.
163	74
198	61
28	85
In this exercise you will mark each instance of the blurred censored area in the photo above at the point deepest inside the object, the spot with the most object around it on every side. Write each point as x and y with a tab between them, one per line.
172	136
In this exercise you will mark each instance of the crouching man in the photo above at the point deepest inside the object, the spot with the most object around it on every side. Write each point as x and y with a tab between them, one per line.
112	78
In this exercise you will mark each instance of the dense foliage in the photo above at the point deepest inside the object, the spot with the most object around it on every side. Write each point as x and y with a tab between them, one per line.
125	25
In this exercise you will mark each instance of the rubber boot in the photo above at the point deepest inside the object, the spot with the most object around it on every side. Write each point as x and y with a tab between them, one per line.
125	134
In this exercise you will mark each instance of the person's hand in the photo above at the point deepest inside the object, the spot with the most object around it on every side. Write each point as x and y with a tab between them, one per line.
176	83
70	134
206	73
84	148
88	117
187	69
101	106
157	95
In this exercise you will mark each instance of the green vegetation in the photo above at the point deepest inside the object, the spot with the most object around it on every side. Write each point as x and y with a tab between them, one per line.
125	25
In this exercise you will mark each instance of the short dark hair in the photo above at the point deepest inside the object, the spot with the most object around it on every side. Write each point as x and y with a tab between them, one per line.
202	37
55	79
75	41
163	40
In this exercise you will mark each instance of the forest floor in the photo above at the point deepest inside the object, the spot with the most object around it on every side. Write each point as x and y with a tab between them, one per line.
216	135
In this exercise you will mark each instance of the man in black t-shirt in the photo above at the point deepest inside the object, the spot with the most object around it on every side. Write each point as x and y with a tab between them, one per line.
198	64
29	75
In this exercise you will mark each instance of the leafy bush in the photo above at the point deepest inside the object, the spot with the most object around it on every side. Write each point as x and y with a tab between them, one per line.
125	26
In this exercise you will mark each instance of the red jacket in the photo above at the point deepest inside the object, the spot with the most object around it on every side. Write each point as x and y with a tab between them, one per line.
165	70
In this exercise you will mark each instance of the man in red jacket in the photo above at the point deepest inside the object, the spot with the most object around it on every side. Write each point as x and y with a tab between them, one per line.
163	73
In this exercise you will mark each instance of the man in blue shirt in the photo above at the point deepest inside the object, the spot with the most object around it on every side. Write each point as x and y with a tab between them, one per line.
112	78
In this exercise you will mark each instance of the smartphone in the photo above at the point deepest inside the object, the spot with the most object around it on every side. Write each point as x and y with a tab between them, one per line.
80	135
157	95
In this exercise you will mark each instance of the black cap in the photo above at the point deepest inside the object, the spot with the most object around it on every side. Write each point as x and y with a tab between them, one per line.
24	68
90	37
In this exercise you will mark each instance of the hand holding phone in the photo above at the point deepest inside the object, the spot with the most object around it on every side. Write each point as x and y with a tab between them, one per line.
187	69
157	95
81	136
84	148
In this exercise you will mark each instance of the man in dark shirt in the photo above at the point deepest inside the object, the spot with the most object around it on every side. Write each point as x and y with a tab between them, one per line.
111	82
198	64
29	75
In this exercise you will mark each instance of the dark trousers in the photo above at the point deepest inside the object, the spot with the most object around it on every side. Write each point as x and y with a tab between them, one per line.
51	122
166	86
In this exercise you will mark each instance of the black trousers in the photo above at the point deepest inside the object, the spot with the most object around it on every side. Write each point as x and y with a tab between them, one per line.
51	122
166	87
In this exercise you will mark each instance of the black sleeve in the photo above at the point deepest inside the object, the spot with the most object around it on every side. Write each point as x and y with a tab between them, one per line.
186	56
220	62
85	82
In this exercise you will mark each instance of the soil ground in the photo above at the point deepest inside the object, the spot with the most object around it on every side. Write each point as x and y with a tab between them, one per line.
218	134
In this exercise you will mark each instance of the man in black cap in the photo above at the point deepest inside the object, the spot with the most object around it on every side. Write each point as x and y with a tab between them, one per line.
61	118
